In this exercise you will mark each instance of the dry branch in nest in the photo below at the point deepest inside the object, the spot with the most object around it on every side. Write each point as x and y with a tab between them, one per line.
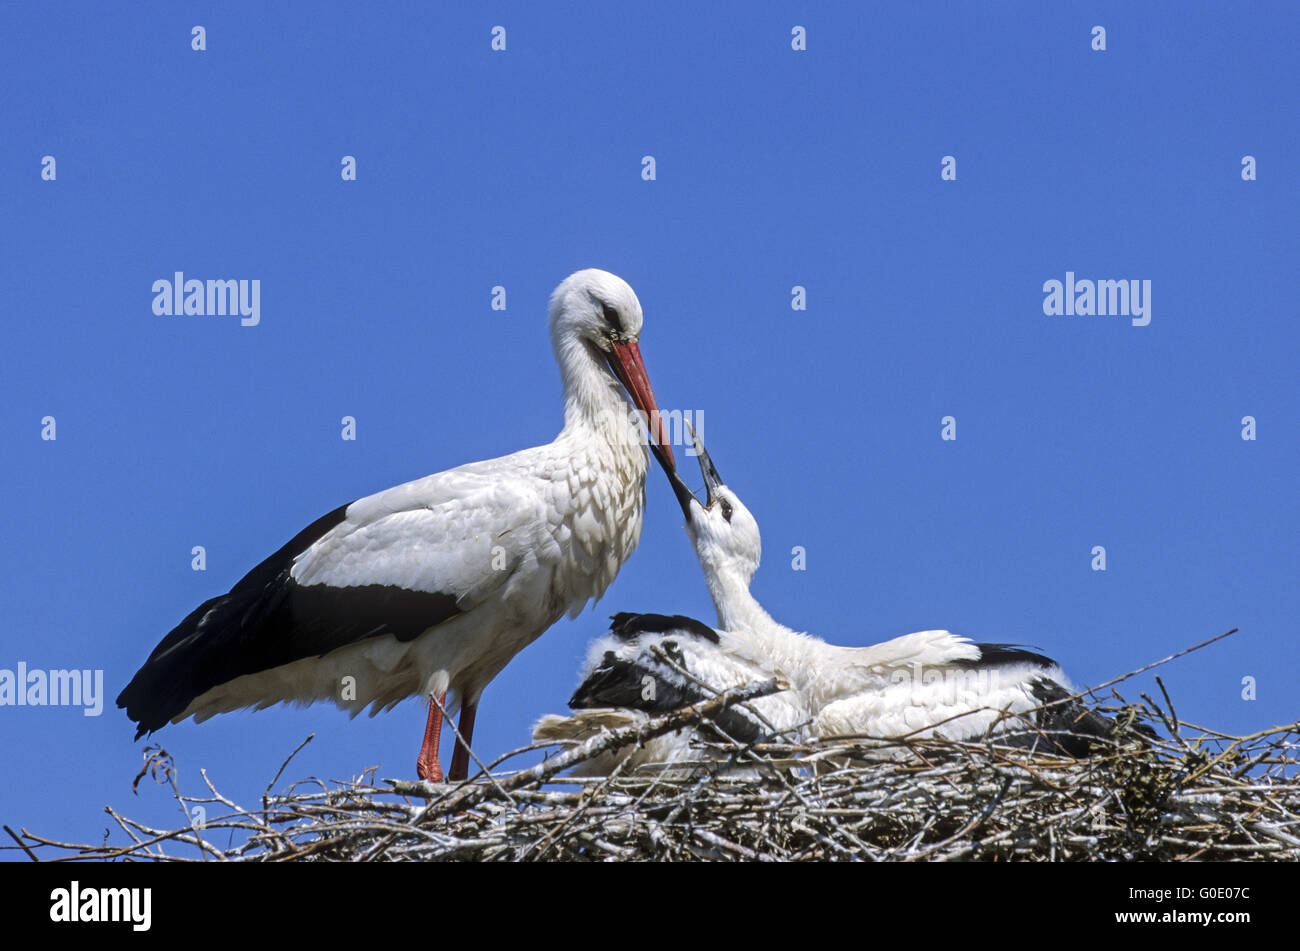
1197	795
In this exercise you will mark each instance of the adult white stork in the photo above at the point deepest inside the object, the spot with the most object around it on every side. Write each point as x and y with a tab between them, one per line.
431	587
931	683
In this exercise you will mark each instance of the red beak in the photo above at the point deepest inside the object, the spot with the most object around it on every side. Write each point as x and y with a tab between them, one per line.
625	361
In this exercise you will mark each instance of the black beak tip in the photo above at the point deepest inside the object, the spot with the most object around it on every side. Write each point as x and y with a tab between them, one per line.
683	492
712	481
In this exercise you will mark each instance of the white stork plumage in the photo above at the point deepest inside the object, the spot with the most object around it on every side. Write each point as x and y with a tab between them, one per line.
650	664
431	587
926	684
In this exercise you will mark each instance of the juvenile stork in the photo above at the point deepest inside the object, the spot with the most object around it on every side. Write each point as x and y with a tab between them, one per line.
431	587
927	684
930	683
650	664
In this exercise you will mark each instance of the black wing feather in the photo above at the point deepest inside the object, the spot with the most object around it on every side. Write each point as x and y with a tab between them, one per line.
1007	655
627	626
267	620
642	681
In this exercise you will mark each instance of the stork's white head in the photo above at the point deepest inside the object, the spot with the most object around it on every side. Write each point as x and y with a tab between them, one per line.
597	306
724	533
599	313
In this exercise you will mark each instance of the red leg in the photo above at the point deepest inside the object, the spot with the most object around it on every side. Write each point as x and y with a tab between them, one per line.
460	758
427	766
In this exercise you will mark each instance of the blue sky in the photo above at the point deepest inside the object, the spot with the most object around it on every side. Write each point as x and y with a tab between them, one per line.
774	168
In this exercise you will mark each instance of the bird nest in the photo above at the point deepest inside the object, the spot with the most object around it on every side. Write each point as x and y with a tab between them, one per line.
1195	795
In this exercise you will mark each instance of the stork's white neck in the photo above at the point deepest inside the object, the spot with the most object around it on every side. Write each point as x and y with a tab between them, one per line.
738	610
593	399
802	660
602	495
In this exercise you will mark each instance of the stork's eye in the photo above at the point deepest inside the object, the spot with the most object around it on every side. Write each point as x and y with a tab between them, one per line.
726	509
611	316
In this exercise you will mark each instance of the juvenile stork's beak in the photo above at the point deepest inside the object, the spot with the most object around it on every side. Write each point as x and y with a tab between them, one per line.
712	481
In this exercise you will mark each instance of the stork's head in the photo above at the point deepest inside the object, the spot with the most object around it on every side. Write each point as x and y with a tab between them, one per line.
724	533
601	312
596	306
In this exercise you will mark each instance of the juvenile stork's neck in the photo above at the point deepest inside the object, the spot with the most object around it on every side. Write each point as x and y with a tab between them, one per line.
738	610
799	658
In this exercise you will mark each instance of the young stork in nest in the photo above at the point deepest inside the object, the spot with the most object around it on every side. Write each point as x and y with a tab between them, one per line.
431	587
651	664
927	684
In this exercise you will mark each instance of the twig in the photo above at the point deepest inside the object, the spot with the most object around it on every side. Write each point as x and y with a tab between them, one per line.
14	835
